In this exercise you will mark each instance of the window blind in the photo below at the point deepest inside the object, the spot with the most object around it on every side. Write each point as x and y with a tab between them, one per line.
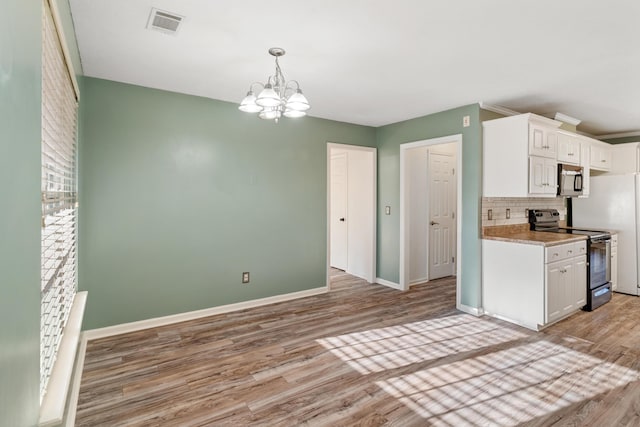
59	197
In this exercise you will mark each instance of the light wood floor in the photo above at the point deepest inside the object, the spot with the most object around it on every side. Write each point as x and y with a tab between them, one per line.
368	355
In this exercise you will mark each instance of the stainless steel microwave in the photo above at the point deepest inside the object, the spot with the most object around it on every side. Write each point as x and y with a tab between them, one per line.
570	180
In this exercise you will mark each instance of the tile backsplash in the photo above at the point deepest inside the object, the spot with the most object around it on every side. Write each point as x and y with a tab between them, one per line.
518	207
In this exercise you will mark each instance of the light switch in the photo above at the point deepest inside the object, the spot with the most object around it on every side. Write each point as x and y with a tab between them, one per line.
387	210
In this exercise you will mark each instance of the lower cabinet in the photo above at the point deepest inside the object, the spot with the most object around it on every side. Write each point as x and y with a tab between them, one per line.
566	289
533	285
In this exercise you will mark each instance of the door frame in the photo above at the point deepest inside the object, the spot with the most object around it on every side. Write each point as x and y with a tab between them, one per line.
404	212
371	277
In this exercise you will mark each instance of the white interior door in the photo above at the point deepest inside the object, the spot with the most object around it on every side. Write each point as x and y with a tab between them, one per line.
442	206
338	214
361	198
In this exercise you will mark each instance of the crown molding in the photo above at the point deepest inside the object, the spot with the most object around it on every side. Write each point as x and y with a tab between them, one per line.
498	109
619	135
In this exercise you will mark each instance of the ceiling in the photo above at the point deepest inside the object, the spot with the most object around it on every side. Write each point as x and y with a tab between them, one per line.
375	62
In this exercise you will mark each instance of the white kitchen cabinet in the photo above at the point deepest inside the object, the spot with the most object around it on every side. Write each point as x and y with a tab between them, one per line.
543	140
542	176
614	262
579	284
531	285
508	144
625	158
568	148
600	155
566	283
585	162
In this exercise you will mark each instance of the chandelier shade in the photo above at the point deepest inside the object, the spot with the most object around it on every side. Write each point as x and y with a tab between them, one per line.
270	114
298	102
277	98
268	97
292	114
248	104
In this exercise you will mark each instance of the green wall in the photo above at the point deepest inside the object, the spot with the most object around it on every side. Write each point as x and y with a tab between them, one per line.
181	194
20	97
623	140
436	125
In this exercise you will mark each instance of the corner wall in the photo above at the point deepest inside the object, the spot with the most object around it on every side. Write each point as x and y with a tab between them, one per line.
20	168
436	125
181	194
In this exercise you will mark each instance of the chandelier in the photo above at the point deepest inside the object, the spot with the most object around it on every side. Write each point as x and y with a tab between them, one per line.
278	97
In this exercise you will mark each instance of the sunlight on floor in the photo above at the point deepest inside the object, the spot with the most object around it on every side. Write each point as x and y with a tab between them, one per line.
507	387
377	350
502	388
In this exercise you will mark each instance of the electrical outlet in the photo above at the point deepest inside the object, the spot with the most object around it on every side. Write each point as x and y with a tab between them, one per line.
245	277
387	210
466	121
489	214
508	213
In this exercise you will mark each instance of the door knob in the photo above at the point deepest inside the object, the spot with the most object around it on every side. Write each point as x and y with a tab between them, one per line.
434	223
342	219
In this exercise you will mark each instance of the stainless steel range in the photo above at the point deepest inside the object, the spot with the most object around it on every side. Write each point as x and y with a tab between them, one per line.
598	248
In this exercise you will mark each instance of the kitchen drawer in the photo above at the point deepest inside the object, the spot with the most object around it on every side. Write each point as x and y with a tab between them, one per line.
568	250
580	248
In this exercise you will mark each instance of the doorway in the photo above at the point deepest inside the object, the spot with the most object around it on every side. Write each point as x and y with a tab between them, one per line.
351	210
430	208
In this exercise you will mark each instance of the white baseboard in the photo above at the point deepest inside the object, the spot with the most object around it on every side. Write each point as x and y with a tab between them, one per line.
52	409
389	284
515	322
124	328
418	281
471	310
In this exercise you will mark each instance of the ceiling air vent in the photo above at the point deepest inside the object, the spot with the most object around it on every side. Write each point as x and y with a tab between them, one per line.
166	22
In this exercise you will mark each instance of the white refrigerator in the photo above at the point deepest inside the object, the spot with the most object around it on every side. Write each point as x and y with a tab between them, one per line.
614	204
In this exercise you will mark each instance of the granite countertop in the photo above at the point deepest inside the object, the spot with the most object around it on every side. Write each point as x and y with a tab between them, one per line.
520	233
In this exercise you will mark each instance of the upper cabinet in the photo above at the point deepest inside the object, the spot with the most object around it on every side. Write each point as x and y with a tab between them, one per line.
625	158
585	162
600	155
543	140
568	148
519	156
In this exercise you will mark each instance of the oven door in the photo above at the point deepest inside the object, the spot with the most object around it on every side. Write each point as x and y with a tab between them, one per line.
599	262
